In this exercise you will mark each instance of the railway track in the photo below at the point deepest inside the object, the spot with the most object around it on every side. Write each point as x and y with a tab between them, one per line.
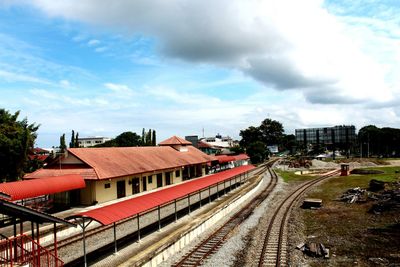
213	242
75	240
273	251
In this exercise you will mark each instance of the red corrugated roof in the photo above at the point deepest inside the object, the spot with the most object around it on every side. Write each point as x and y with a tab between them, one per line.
86	173
38	187
174	140
241	157
39	157
225	158
110	162
128	208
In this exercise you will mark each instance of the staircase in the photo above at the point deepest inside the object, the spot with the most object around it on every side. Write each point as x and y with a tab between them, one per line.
24	251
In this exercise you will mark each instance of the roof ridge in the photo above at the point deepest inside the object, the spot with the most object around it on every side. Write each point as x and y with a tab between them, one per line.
97	174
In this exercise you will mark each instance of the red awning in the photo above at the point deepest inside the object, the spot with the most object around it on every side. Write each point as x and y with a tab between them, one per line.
128	208
241	157
225	158
43	186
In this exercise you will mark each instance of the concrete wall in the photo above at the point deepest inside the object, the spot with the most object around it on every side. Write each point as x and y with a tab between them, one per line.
186	239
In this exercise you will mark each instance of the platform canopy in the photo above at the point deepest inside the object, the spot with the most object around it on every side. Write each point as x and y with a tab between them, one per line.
128	208
42	186
27	214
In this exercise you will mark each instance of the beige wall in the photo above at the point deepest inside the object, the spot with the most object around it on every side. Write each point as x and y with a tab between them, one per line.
95	189
71	159
87	194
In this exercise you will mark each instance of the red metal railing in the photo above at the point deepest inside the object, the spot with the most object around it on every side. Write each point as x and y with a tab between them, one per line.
22	249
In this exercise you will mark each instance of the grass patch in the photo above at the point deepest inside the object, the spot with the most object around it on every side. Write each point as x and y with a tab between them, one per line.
348	229
288	176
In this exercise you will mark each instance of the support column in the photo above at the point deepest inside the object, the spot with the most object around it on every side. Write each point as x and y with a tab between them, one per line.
176	212
55	243
189	202
82	223
38	242
138	227
200	197
159	218
115	238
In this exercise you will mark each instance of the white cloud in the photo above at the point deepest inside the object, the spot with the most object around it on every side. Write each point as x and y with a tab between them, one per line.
120	90
93	42
101	49
283	44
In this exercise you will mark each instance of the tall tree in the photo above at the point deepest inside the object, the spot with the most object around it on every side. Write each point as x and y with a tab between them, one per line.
143	137
250	135
76	140
148	138
153	139
63	146
271	132
72	143
17	138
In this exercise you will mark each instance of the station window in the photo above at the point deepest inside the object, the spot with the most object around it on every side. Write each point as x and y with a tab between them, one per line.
150	179
107	185
178	173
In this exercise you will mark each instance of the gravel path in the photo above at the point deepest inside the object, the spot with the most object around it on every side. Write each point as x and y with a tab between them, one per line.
226	255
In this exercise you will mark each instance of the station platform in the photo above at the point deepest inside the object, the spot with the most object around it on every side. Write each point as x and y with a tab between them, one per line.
152	249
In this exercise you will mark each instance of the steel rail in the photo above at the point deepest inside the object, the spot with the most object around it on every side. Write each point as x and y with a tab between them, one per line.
289	202
214	241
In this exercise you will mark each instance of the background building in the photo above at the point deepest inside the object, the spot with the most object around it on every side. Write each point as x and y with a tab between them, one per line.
92	141
337	137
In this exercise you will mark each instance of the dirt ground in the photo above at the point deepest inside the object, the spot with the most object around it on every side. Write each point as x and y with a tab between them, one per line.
354	236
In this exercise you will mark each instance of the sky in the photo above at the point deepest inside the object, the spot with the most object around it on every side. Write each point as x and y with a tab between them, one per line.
201	66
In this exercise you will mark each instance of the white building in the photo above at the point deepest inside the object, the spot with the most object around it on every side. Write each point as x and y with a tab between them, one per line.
219	141
92	141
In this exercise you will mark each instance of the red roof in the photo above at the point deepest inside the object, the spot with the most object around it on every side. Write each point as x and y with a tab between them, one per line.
225	158
174	140
129	208
229	158
203	145
112	162
86	173
241	157
38	187
38	157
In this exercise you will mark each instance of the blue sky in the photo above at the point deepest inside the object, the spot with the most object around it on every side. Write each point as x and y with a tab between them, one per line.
104	67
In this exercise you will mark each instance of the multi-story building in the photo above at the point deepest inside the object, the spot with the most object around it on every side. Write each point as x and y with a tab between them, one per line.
92	141
340	136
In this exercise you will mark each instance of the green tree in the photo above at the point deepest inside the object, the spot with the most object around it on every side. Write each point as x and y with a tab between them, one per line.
72	143
17	138
125	139
76	140
257	152
271	132
63	146
148	138
143	136
153	139
250	135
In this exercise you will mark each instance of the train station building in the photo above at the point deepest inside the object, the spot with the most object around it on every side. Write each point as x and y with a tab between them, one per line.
116	172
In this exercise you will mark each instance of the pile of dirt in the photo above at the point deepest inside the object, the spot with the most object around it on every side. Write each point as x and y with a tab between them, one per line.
323	164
